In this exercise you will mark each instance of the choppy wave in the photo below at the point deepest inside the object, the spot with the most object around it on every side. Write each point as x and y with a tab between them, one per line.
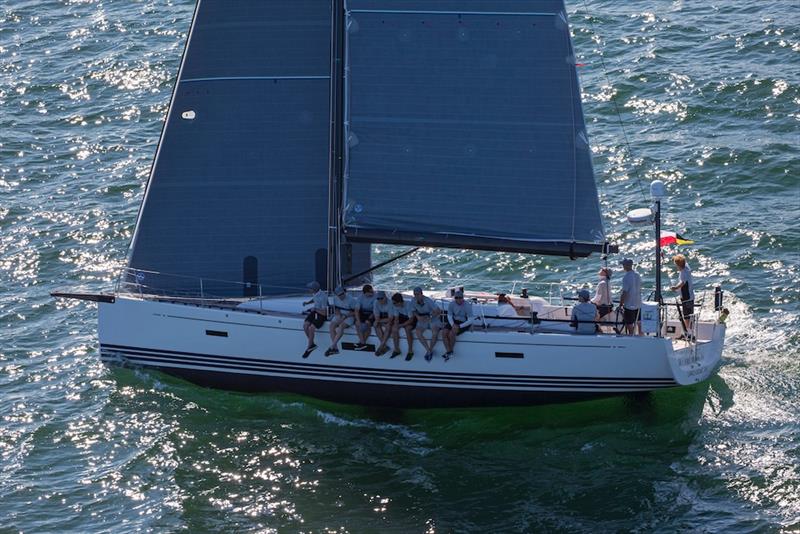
710	100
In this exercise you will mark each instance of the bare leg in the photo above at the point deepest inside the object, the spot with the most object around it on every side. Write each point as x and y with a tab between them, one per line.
385	331
422	339
334	329
434	336
396	336
310	334
364	331
337	335
410	337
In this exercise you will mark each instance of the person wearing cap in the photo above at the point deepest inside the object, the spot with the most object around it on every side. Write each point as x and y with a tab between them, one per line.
382	312
686	287
584	313
425	311
403	318
630	299
364	316
602	294
344	309
459	319
316	316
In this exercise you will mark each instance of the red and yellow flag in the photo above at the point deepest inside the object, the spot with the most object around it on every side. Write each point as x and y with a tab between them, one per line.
672	238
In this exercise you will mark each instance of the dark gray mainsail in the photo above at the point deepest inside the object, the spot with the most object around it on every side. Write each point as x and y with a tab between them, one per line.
239	185
465	128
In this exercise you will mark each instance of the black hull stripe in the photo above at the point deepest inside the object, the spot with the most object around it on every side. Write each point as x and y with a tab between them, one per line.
340	370
383	394
166	360
161	363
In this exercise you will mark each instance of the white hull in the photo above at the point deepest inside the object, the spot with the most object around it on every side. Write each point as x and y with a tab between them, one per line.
261	351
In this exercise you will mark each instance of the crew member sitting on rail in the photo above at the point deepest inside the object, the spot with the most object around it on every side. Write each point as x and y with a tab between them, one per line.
584	313
403	318
459	319
344	307
382	311
316	316
364	316
423	309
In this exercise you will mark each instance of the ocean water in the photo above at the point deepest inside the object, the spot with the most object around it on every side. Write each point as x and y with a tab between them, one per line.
709	94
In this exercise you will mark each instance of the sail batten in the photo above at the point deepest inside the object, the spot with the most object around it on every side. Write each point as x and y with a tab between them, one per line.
467	128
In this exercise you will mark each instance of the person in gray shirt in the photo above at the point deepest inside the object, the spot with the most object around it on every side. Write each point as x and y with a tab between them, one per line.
630	300
426	314
316	316
403	318
686	287
382	311
364	316
459	319
344	309
583	313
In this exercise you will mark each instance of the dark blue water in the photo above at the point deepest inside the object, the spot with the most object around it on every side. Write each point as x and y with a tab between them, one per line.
710	98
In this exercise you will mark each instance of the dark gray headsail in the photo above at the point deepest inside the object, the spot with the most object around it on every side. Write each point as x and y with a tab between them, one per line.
239	186
465	128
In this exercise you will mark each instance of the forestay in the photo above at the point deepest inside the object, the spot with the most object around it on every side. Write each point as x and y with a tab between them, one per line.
239	186
465	128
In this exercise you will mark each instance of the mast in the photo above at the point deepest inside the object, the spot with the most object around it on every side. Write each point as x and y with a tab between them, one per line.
658	252
658	191
336	159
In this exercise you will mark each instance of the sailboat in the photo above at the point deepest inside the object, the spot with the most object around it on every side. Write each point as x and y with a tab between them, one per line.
301	132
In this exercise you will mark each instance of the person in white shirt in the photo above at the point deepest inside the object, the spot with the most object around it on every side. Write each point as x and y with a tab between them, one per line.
686	287
344	307
630	299
459	319
583	313
507	309
602	295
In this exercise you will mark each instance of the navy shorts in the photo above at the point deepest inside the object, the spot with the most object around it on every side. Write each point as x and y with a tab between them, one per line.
630	316
404	318
317	319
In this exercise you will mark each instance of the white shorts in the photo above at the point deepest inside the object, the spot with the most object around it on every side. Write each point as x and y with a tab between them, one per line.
347	321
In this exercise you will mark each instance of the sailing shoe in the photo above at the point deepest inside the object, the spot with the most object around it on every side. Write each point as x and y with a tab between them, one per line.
381	351
360	346
409	356
428	356
331	351
447	355
309	350
395	354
